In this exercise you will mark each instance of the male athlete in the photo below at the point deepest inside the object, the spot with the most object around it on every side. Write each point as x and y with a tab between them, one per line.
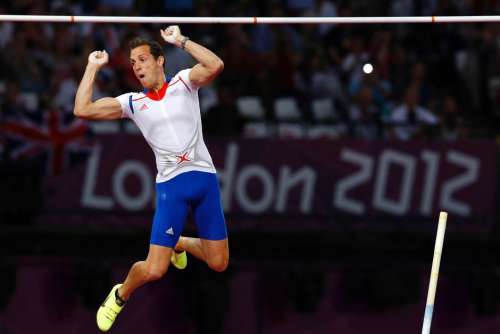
168	115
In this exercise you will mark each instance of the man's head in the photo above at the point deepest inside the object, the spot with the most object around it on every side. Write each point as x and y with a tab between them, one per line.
147	60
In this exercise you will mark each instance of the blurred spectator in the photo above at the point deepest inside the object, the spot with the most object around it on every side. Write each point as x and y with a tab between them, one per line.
322	8
452	122
297	6
316	79
118	5
237	56
353	62
418	78
272	61
12	105
381	92
177	60
409	120
179	7
319	80
365	120
380	52
223	118
6	33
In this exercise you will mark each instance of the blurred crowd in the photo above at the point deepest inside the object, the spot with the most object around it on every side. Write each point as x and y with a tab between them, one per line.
429	81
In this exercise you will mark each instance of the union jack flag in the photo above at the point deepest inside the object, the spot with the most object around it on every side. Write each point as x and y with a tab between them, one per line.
55	138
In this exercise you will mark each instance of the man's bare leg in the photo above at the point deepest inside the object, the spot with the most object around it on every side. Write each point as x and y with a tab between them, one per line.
154	267
141	272
214	252
192	246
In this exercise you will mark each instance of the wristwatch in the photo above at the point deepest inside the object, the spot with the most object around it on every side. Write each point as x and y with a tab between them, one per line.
183	42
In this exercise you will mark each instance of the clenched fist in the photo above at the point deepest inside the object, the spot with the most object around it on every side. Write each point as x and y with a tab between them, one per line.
172	35
98	58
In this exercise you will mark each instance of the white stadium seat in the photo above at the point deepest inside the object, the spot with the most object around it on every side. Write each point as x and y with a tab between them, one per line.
287	130
326	131
250	107
287	109
323	109
257	130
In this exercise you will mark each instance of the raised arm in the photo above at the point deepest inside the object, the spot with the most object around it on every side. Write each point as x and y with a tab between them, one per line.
103	109
209	65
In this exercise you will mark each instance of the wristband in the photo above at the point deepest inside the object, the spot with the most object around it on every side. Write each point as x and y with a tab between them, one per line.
183	43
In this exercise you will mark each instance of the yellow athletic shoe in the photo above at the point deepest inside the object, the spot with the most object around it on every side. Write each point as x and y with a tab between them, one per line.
108	311
179	260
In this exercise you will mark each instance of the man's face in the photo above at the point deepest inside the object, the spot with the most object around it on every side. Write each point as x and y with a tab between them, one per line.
146	68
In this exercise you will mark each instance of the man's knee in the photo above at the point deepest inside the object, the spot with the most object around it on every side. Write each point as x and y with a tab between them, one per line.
218	263
155	272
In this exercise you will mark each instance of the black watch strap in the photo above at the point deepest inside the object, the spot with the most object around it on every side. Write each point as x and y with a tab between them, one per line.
183	43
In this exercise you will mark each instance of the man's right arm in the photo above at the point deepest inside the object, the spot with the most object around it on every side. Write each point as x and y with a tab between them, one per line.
107	108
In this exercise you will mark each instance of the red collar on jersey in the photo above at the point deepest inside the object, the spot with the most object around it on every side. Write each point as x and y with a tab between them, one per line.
157	96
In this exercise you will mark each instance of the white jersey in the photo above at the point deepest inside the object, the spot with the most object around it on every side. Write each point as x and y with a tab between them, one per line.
170	121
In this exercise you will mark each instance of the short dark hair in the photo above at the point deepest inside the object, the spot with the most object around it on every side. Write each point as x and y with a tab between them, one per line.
154	47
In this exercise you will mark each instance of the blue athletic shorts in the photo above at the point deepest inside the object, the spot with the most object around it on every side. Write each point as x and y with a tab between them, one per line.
198	191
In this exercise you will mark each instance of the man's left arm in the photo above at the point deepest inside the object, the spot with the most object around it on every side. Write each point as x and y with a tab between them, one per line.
209	64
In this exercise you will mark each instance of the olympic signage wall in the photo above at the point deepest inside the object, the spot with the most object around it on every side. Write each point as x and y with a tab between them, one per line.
297	178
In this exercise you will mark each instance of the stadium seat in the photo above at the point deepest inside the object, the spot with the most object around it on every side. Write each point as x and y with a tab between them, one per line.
258	130
131	128
208	98
287	130
250	107
287	109
104	127
323	109
30	101
326	131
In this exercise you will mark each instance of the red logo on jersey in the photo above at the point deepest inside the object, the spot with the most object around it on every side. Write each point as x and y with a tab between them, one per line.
182	158
144	107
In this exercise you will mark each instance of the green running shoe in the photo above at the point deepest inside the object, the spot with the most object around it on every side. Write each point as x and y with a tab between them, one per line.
179	260
108	311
